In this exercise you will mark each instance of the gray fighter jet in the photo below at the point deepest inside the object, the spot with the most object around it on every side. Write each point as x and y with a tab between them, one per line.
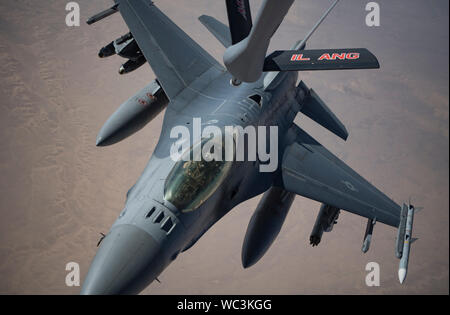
175	201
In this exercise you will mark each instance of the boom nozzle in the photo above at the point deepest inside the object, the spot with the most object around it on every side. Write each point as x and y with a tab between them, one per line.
245	59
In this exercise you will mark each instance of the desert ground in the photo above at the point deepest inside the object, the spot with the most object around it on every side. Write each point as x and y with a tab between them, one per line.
58	191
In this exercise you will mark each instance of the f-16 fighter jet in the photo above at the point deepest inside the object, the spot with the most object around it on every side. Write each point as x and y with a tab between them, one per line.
204	164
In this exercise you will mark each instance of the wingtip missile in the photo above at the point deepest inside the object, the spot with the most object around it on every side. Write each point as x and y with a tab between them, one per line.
402	275
407	240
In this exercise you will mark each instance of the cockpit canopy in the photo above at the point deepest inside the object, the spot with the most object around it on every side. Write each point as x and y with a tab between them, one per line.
192	181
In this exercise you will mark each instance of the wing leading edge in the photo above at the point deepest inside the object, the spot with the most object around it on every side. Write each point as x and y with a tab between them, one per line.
310	170
176	59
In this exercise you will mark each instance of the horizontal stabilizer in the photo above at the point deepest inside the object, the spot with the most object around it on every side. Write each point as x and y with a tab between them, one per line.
317	110
217	28
321	59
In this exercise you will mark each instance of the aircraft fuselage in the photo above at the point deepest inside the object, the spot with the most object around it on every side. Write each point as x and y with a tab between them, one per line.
150	231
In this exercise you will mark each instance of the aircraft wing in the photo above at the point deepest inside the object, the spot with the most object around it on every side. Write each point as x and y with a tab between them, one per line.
310	170
176	59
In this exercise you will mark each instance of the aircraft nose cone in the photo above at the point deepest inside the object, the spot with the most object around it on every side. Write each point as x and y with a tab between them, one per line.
126	262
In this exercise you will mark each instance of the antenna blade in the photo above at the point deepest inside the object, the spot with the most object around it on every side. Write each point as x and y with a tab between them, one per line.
299	45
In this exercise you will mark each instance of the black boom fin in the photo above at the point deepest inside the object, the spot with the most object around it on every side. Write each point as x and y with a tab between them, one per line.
321	59
239	19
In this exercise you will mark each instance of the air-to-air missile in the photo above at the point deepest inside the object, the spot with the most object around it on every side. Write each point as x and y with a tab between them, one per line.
265	224
401	231
368	235
134	114
404	240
